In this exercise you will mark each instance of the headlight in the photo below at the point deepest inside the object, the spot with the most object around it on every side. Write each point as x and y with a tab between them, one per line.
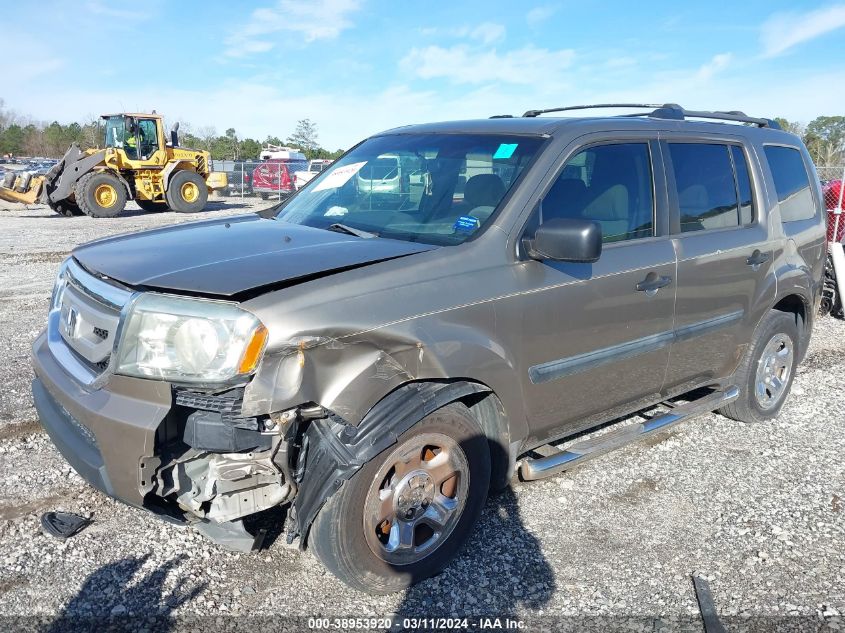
189	340
59	287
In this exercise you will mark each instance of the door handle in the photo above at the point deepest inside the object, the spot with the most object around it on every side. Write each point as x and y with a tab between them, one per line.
757	258
652	283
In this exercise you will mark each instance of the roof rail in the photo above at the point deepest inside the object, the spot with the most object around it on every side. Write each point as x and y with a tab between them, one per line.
668	111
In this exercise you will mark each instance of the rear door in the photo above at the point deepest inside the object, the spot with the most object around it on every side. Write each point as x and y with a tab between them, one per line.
725	265
597	336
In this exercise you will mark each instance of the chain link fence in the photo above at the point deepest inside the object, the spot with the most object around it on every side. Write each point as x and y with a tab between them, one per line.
270	180
834	200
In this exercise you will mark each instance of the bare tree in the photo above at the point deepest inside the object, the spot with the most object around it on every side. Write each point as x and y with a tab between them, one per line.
207	134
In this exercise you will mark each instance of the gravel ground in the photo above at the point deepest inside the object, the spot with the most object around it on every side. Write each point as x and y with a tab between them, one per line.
757	509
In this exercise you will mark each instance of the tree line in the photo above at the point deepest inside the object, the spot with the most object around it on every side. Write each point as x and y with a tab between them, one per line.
824	137
22	136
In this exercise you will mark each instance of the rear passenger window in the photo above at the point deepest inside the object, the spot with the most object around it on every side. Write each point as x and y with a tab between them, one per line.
611	184
707	191
743	181
792	183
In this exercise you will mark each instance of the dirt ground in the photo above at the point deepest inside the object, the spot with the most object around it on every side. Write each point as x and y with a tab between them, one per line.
757	509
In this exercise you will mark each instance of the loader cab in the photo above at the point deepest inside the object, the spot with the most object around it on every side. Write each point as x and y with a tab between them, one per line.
138	136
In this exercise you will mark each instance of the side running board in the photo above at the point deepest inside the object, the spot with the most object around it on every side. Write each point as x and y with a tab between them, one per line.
557	460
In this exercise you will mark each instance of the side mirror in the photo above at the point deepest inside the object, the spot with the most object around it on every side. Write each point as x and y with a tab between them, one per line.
567	240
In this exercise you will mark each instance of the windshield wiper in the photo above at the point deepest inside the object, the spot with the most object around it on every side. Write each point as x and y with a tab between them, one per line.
351	230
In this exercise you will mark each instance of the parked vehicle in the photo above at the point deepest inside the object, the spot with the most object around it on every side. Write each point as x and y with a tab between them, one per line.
382	369
315	166
834	282
239	178
275	176
383	180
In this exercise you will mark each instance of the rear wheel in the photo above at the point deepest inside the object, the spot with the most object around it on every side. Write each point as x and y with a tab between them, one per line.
149	205
100	194
766	373
405	515
186	192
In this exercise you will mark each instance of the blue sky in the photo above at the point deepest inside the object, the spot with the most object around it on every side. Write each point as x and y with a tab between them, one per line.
360	66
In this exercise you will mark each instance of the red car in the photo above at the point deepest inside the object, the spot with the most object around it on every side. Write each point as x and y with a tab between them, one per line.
833	199
275	176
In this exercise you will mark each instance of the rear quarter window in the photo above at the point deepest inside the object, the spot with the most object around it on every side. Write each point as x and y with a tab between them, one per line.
792	183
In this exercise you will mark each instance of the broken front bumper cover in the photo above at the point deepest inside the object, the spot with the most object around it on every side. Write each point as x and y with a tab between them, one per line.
108	437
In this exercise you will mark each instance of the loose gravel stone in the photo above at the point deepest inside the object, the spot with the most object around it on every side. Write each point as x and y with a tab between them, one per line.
756	509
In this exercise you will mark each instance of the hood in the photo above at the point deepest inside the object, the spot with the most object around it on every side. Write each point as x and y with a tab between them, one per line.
230	256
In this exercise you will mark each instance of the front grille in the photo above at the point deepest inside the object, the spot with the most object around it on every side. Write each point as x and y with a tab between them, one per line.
84	321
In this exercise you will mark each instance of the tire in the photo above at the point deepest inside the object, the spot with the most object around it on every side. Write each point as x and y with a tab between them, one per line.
776	344
149	205
100	194
67	208
186	192
354	544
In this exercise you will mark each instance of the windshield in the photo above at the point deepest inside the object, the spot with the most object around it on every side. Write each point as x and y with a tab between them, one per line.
432	188
114	131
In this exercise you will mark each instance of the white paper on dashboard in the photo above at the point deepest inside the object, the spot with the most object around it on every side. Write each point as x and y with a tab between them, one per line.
339	177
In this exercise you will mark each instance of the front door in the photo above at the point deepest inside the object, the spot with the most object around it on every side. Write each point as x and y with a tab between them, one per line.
597	336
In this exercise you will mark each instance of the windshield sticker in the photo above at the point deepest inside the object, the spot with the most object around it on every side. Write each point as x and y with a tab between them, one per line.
339	177
466	224
336	211
505	150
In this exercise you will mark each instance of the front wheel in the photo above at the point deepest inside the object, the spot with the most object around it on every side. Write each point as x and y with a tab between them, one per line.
100	194
186	192
766	373
404	516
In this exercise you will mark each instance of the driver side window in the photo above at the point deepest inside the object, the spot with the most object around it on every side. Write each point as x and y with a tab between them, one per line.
611	184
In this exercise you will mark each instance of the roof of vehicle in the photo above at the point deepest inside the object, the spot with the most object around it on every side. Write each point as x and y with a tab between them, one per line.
534	125
137	115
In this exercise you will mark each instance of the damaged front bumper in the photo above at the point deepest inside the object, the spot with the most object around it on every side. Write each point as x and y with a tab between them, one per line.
131	439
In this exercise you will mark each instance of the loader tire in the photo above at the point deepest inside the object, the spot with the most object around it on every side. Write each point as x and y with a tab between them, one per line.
66	208
186	192
149	205
100	195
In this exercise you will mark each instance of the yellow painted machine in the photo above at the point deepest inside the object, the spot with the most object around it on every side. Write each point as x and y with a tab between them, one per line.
136	163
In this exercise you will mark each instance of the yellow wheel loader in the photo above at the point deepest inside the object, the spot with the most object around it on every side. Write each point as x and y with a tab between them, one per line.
135	163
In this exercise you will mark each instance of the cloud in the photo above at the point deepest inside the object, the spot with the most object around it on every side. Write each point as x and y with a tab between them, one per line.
784	30
486	32
716	64
462	64
538	15
306	21
121	10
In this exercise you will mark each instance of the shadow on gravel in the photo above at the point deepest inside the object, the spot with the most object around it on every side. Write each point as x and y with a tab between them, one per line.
502	570
217	206
122	593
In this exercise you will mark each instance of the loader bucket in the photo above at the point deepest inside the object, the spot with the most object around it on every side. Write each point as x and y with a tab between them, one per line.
21	188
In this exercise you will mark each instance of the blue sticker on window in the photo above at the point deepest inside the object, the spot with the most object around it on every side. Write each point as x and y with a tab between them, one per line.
466	224
505	150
